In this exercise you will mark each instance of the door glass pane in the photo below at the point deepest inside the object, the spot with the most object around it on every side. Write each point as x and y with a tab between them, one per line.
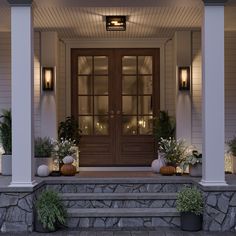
101	85
129	125
145	65
129	65
100	65
85	65
129	85
129	105
101	125
85	85
145	85
145	105
145	124
85	105
101	105
86	124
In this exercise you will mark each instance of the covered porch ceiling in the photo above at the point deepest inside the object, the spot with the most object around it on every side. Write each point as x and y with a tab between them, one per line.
84	19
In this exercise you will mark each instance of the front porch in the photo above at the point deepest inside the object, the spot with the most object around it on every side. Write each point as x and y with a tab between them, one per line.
121	200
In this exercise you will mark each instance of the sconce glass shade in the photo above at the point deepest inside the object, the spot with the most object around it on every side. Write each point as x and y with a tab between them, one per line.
184	78
48	79
115	23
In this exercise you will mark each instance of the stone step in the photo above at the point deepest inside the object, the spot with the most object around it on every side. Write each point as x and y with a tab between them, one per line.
119	200
118	196
121	212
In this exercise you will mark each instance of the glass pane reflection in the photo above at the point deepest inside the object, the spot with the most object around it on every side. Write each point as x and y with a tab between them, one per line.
129	65
100	85
129	85
100	105
129	105
145	105
145	65
129	125
85	85
145	85
101	125
145	125
85	65
85	104
100	65
86	124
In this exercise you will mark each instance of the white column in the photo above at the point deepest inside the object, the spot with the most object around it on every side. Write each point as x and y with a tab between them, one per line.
22	93
213	93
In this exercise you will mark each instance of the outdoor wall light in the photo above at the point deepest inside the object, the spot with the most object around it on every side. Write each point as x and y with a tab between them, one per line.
48	79
115	23
184	78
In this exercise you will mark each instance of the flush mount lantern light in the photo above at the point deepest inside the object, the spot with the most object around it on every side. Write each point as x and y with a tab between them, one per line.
184	78
115	23
48	79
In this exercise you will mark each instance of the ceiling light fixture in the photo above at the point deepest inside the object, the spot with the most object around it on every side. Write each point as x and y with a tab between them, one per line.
115	23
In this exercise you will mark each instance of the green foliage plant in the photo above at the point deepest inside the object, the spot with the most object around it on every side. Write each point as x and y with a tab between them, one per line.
163	127
232	146
50	210
6	131
190	200
173	150
193	158
43	147
69	129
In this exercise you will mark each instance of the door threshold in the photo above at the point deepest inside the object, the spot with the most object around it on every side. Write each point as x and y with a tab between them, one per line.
144	168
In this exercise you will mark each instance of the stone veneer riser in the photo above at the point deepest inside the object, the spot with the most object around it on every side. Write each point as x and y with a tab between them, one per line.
17	205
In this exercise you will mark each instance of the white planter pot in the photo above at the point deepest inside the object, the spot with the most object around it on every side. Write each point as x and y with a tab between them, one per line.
196	170
6	165
48	161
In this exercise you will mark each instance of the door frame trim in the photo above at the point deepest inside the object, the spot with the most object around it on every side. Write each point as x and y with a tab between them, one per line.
113	43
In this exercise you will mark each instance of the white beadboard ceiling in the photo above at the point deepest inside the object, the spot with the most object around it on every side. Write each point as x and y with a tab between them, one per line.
146	18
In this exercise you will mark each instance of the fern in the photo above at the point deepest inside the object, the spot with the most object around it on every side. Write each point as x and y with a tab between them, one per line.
50	210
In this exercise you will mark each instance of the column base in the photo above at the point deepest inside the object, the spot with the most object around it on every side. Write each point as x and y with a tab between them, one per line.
23	184
213	183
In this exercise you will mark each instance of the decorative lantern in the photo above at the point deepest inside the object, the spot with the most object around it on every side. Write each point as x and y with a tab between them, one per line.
48	79
115	23
184	78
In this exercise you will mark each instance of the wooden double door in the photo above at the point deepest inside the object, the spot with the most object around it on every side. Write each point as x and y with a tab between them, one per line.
115	95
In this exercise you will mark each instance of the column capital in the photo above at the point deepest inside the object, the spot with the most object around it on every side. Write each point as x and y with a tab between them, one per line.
20	2
214	2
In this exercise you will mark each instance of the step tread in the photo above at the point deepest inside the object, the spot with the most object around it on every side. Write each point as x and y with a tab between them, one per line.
121	212
118	196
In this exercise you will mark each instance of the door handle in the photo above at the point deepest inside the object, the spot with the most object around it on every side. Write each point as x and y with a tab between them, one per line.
118	112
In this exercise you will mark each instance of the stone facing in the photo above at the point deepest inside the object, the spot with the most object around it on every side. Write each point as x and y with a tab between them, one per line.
16	208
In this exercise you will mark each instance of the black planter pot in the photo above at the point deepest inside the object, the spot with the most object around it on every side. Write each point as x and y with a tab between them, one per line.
38	226
190	221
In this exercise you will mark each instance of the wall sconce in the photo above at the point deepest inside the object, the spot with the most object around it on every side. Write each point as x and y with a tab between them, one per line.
48	79
184	78
115	23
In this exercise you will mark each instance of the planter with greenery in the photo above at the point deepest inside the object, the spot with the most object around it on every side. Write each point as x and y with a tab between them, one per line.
232	150
194	161
190	205
50	213
172	150
43	148
5	139
163	127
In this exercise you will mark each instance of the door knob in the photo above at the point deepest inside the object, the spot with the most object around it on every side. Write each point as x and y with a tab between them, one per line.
118	112
112	112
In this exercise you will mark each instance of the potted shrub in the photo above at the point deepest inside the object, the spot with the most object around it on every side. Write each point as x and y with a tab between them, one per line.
50	213
232	150
194	161
43	148
190	205
6	140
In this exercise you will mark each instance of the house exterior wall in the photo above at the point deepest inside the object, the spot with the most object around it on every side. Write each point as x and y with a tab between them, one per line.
5	76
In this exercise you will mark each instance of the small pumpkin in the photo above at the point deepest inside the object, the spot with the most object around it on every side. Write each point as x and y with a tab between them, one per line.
167	170
68	170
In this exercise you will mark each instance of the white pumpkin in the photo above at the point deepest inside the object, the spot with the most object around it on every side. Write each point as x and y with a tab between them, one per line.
157	164
68	160
43	171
